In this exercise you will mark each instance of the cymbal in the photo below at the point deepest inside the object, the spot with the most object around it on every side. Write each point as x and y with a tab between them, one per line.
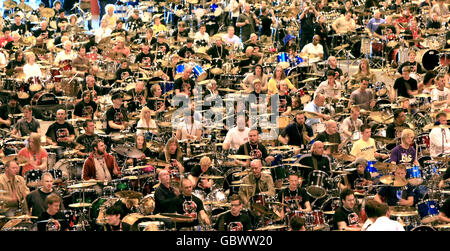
387	179
129	194
309	80
175	215
165	124
242	185
10	4
271	227
423	95
442	158
157	163
242	157
75	160
47	12
80	185
226	90
77	205
344	157
298	165
341	47
211	177
128	151
262	209
277	203
24	217
384	166
19	159
330	144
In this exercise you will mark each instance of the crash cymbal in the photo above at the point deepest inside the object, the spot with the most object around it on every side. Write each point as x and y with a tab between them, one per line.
341	47
271	227
262	209
129	194
297	165
330	144
78	205
165	124
211	177
309	80
130	152
51	147
423	95
47	12
75	160
157	163
80	185
242	185
240	157
9	4
400	182
24	217
277	203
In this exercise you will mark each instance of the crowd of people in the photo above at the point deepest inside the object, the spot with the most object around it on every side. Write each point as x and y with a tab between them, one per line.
203	116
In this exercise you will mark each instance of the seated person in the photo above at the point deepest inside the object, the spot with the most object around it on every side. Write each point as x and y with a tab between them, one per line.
235	219
401	193
345	218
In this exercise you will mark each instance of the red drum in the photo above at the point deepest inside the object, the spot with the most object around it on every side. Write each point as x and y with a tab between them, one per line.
424	140
259	199
66	65
295	213
35	84
55	74
314	219
377	48
318	219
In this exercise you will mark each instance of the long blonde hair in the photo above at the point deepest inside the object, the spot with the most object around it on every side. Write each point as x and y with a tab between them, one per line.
178	153
36	141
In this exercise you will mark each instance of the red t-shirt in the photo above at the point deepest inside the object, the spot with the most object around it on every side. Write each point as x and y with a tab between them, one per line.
37	158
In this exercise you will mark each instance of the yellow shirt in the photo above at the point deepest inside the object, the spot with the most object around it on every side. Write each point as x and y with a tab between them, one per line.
272	86
158	28
364	149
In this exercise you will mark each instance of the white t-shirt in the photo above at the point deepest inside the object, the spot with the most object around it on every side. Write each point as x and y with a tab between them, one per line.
101	33
325	89
189	129
233	40
313	49
385	224
32	71
437	95
236	138
63	56
141	123
438	138
199	37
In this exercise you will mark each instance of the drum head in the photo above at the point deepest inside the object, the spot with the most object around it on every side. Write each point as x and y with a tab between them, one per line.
423	229
430	59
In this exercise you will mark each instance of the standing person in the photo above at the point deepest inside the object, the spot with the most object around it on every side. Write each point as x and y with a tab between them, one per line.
267	19
308	18
15	187
382	222
36	155
345	218
35	200
52	219
236	219
247	22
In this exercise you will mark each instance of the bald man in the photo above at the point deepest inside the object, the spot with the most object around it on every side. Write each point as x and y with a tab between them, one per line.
315	106
316	160
60	133
330	135
260	183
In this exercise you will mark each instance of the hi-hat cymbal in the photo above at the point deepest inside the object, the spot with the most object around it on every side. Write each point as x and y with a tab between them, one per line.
384	166
77	205
330	144
24	217
422	95
309	80
244	157
80	185
341	47
271	227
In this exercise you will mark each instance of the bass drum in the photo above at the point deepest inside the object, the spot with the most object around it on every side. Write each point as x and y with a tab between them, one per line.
42	98
429	58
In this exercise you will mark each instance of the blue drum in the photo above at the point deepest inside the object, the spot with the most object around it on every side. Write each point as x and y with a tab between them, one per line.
296	61
283	60
180	69
428	208
414	175
370	168
214	7
199	73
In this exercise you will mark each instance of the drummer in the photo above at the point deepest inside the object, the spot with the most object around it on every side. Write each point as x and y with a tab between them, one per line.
100	165
352	124
201	38
405	152
189	129
344	24
235	219
259	183
12	107
440	95
314	49
401	193
173	156
87	138
31	68
294	197
440	137
278	76
60	133
259	74
204	169
35	154
331	135
67	54
86	108
316	106
116	116
365	147
363	97
359	177
254	149
395	129
15	187
317	160
297	133
26	125
330	88
415	67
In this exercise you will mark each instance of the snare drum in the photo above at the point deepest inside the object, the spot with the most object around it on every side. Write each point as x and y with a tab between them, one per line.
66	65
428	208
259	199
414	175
380	89
377	48
57	175
318	220
316	188
35	84
283	60
147	204
89	195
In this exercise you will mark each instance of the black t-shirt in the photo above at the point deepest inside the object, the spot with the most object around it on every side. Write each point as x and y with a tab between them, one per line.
390	130
402	89
134	24
350	217
164	198
96	88
19	28
445	209
323	164
181	84
354	178
229	222
86	141
446	174
339	70
121	227
217	52
118	116
39	32
294	131
85	110
266	22
120	72
162	156
145	58
407	63
308	23
186	52
380	29
334	138
36	202
158	47
57	131
6	110
26	128
292	198
257	151
59	216
188	206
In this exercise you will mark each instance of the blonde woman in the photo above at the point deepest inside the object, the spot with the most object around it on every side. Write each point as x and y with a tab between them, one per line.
274	83
147	122
110	18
